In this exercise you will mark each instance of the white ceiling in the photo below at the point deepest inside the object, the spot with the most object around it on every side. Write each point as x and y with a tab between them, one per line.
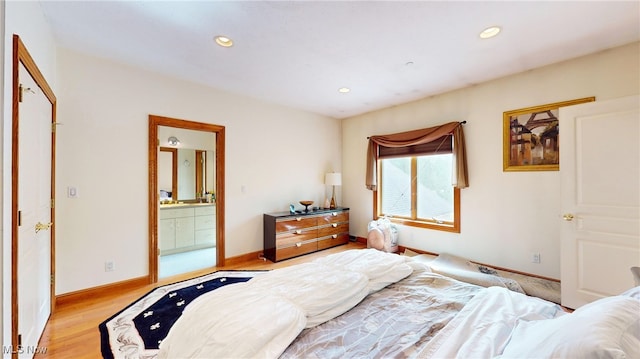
298	53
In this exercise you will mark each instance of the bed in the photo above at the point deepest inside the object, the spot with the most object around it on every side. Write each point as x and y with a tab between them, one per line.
371	304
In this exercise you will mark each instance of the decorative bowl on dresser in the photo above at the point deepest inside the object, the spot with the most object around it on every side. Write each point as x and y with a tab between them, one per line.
306	205
288	235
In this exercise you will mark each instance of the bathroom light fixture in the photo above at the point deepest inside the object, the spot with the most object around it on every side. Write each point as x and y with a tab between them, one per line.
223	41
344	90
173	141
490	32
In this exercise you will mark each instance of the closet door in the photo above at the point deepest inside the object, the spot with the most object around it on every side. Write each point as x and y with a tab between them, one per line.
35	222
600	171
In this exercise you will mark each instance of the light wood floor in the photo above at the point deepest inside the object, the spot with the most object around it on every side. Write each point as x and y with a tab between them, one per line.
72	330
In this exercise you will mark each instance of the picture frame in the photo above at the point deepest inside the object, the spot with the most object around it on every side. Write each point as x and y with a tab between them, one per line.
531	137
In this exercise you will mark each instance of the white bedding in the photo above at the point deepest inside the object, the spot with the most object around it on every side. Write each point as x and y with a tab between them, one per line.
322	292
380	268
501	323
218	327
483	327
606	328
261	317
395	322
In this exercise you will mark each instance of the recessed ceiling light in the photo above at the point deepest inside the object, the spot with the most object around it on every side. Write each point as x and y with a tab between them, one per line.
224	41
344	90
490	32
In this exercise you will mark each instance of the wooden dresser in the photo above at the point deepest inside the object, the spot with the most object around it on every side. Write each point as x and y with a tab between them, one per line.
288	235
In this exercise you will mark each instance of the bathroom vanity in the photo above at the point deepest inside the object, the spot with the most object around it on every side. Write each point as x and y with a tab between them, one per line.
186	226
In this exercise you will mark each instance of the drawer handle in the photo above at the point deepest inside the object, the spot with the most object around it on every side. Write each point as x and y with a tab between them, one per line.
299	244
298	219
334	225
335	214
334	236
298	231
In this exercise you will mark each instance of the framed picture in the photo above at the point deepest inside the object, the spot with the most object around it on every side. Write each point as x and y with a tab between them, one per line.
530	137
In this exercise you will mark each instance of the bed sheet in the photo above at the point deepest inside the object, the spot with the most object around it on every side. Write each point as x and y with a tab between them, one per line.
395	322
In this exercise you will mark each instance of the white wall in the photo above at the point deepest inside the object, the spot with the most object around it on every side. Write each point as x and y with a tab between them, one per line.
278	155
505	215
26	20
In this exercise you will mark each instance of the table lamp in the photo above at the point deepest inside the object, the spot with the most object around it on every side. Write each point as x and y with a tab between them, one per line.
333	179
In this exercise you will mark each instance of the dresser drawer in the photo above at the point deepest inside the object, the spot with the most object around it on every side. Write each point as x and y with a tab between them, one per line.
333	240
296	223
288	235
296	250
333	217
334	228
297	236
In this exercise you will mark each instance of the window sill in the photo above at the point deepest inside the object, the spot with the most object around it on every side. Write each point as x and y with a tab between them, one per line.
446	227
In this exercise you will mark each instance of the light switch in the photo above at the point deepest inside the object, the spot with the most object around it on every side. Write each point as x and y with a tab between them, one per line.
72	192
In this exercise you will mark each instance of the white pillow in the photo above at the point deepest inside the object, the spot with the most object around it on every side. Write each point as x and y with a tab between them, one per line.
633	293
606	328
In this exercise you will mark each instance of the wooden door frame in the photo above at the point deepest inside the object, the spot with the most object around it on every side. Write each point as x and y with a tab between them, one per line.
219	131
200	183
174	169
21	55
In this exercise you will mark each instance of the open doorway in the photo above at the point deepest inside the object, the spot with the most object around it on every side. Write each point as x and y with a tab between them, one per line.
186	196
187	217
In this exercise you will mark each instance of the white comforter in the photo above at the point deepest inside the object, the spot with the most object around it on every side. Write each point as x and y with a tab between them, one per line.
261	317
498	323
484	326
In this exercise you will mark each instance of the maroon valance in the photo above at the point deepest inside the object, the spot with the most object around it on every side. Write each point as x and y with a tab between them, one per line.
441	145
420	139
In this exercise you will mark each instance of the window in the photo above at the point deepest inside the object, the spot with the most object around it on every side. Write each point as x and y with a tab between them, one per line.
417	175
415	187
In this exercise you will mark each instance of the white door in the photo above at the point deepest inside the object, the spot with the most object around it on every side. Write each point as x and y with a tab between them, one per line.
600	171
34	206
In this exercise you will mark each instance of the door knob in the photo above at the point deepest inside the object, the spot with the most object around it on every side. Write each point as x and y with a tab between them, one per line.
41	226
567	217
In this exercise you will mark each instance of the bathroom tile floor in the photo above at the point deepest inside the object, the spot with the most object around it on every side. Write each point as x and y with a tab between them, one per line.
184	262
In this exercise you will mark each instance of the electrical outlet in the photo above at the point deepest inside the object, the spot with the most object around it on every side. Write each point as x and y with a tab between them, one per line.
109	266
535	257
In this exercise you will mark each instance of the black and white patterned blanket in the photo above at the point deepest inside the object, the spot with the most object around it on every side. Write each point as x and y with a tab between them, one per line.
137	330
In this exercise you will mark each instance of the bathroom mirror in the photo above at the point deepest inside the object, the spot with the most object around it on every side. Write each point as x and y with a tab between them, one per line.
186	174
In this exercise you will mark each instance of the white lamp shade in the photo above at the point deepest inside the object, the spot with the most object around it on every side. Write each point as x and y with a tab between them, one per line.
333	179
